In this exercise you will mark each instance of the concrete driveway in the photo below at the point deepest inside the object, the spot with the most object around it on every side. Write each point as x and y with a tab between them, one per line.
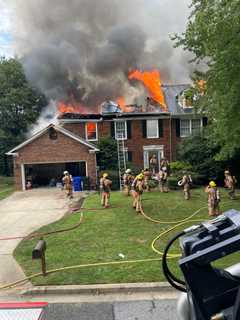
21	214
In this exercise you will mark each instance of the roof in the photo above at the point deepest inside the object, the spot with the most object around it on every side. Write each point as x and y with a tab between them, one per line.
171	93
59	129
110	109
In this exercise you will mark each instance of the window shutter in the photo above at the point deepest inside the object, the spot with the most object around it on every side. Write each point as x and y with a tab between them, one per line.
112	130
130	154
144	128
160	128
129	129
204	121
177	127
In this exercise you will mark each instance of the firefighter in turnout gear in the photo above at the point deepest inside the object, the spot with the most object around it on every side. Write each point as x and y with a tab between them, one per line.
230	183
127	181
213	199
68	184
186	183
163	179
137	190
147	176
105	188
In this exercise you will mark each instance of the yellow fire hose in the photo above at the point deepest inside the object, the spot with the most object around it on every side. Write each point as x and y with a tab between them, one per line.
100	264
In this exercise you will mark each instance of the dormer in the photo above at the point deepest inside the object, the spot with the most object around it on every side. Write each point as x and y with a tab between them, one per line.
186	98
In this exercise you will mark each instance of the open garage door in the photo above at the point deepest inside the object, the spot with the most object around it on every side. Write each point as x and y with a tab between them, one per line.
48	174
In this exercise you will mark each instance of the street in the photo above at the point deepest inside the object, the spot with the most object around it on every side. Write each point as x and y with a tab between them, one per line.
128	310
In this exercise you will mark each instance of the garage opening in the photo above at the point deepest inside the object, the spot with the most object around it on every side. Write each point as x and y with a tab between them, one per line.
49	174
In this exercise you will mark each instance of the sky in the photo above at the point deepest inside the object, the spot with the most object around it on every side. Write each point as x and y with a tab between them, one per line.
6	40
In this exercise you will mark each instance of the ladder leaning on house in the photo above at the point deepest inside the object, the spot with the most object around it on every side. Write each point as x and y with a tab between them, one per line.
121	157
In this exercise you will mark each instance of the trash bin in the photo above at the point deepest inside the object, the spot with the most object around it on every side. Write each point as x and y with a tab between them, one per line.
77	184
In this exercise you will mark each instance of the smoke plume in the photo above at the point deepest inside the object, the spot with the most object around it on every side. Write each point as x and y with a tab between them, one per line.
85	48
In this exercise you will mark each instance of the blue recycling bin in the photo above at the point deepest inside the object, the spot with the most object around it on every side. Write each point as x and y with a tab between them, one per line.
77	183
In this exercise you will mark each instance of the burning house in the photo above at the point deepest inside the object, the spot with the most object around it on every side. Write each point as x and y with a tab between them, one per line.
153	127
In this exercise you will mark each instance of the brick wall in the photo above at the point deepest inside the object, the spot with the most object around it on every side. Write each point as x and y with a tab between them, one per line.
45	150
136	143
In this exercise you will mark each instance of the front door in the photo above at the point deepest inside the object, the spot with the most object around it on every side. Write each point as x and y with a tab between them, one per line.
152	158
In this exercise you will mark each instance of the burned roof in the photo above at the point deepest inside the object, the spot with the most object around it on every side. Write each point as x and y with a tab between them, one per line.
110	109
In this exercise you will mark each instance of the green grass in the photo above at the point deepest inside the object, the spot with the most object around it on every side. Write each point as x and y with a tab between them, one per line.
6	186
106	233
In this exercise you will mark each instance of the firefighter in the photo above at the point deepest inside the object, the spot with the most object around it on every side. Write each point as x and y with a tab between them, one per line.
127	181
213	199
153	163
186	182
137	190
147	176
68	184
230	183
164	164
163	179
105	188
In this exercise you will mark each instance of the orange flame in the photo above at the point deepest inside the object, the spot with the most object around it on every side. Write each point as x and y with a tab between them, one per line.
67	107
202	86
152	81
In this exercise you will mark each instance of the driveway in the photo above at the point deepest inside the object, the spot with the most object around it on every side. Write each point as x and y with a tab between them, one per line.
21	214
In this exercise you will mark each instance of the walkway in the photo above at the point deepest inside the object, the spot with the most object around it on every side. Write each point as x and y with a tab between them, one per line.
21	214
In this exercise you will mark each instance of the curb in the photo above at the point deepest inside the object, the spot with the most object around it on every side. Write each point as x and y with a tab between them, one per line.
160	287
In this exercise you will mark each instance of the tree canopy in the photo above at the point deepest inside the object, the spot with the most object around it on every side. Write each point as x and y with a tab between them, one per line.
20	106
213	36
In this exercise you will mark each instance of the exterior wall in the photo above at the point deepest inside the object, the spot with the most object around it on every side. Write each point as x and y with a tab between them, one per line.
135	144
76	128
45	150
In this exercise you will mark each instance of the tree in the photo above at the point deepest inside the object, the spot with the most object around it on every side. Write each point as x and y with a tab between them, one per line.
20	106
199	152
107	157
213	36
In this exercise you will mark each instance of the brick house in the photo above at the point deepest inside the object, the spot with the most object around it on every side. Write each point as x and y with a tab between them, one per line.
71	145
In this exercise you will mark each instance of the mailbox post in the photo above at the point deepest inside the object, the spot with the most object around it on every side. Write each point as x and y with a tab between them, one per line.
39	253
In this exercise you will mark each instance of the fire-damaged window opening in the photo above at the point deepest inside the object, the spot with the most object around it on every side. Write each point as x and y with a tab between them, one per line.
121	130
190	126
152	129
53	135
91	131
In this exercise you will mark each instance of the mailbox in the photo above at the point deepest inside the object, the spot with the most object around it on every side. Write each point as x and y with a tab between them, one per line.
39	253
39	250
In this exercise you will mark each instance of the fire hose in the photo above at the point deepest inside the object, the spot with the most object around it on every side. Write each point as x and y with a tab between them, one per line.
99	264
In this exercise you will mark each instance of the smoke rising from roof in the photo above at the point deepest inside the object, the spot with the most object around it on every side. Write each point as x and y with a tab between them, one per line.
87	47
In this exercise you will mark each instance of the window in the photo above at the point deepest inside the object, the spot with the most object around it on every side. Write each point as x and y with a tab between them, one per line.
152	129
190	126
185	128
196	126
120	130
91	131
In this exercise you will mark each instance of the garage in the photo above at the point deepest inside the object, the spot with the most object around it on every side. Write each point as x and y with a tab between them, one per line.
49	174
42	159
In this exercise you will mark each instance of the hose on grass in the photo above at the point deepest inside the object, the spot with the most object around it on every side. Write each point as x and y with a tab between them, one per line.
101	264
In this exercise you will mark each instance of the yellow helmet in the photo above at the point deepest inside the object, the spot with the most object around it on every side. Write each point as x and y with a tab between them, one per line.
105	175
212	184
140	176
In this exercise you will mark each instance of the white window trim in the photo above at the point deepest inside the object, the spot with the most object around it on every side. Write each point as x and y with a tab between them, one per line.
157	137
190	124
86	134
115	129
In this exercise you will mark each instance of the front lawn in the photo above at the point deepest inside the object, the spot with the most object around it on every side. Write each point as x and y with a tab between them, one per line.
115	234
6	186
